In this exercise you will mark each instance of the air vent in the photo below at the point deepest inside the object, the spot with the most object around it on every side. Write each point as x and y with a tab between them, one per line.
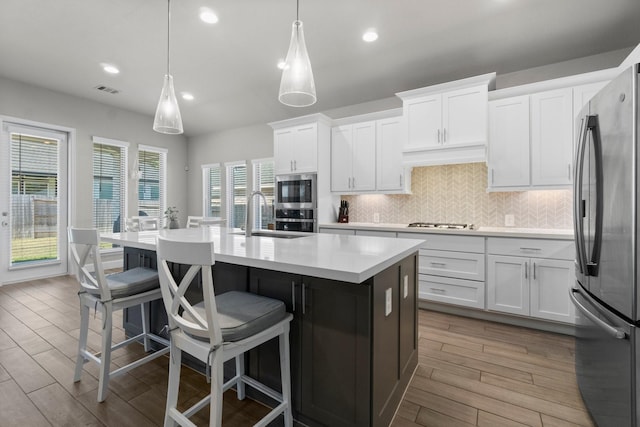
107	89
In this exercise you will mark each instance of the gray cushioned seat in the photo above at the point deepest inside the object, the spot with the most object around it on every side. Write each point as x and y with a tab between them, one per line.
242	314
132	282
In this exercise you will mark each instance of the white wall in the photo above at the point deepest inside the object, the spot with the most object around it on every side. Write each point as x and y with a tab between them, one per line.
251	142
90	118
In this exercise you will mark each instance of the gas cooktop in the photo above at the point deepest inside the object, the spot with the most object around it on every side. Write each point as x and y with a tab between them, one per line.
441	225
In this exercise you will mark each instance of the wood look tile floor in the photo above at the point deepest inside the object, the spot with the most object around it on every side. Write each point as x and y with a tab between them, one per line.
470	372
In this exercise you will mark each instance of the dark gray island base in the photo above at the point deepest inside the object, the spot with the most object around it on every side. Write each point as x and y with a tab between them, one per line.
350	361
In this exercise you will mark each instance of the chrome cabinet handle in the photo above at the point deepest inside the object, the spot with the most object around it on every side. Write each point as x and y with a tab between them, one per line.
353	181
613	331
534	271
492	176
444	133
291	165
569	171
530	249
438	290
438	136
293	295
526	270
400	180
304	298
441	264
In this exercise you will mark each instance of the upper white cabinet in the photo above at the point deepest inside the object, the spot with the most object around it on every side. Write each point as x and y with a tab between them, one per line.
446	123
551	137
532	132
530	140
353	157
389	171
366	156
297	143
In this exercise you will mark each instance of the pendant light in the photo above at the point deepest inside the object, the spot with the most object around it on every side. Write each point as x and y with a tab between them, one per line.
168	119
297	88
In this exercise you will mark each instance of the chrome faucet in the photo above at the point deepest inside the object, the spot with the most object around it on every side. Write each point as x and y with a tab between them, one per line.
248	227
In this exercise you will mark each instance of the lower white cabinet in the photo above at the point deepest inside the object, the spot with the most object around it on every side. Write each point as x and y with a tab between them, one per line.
530	286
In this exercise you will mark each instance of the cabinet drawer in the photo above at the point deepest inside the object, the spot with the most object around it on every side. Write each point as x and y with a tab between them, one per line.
337	231
448	242
467	293
461	265
539	248
376	233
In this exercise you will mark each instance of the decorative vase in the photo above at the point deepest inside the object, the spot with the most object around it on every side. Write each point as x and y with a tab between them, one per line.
174	224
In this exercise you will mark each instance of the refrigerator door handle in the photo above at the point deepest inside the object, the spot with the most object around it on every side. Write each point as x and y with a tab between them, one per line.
594	259
578	206
613	331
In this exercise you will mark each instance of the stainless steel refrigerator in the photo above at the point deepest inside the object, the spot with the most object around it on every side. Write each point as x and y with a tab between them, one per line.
606	297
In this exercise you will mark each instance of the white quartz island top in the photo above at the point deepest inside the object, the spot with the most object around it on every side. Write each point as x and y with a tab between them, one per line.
345	258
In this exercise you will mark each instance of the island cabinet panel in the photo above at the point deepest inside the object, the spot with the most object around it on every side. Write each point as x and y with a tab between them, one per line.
335	353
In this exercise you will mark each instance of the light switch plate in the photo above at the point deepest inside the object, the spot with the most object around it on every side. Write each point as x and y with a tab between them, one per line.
509	220
387	301
376	217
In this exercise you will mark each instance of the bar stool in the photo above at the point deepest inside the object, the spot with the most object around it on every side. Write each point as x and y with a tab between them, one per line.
220	328
136	286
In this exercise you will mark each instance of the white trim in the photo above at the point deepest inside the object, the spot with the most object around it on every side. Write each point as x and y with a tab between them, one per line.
236	163
303	120
488	79
109	141
264	160
378	115
210	165
152	148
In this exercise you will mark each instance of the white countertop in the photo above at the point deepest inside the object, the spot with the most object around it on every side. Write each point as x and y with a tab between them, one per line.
532	233
346	258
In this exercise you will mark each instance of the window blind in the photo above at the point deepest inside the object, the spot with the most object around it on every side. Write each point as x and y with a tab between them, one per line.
34	198
152	181
264	181
109	186
212	191
236	194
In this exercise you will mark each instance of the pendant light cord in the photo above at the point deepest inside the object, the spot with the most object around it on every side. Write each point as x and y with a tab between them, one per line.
297	10
168	36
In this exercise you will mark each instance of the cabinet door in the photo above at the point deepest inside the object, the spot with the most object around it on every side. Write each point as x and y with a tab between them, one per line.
264	361
464	116
283	146
508	284
581	95
364	156
389	154
423	122
306	149
550	283
552	137
335	353
341	138
509	142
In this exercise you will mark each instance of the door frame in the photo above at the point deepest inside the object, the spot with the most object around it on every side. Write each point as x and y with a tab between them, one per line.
70	187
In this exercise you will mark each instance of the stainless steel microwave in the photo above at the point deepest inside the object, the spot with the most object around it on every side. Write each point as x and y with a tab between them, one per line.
296	203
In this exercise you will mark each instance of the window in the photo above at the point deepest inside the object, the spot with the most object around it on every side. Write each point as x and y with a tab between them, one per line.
263	181
152	180
236	193
212	185
109	184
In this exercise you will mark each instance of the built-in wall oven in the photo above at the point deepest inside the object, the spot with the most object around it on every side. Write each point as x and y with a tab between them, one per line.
296	203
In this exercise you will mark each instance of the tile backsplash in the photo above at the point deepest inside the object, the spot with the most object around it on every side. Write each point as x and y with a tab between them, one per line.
457	193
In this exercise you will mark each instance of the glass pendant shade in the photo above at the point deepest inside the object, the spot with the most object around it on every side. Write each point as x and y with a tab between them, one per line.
297	88
168	119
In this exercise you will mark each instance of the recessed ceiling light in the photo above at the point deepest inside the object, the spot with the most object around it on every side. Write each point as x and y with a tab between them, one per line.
187	96
370	36
111	69
207	15
281	64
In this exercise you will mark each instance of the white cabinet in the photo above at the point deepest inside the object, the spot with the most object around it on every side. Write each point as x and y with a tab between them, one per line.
366	156
296	149
450	118
530	277
581	95
389	170
552	137
530	141
446	123
451	269
353	157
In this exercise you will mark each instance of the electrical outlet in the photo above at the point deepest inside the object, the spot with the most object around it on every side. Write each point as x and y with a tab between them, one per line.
376	217
387	301
509	220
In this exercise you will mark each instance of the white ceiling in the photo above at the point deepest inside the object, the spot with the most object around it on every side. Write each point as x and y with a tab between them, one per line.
230	67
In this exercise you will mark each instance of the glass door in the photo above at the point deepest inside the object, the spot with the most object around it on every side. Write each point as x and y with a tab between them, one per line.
33	203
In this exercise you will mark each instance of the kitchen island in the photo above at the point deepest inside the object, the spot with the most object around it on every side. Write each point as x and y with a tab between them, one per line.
354	301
